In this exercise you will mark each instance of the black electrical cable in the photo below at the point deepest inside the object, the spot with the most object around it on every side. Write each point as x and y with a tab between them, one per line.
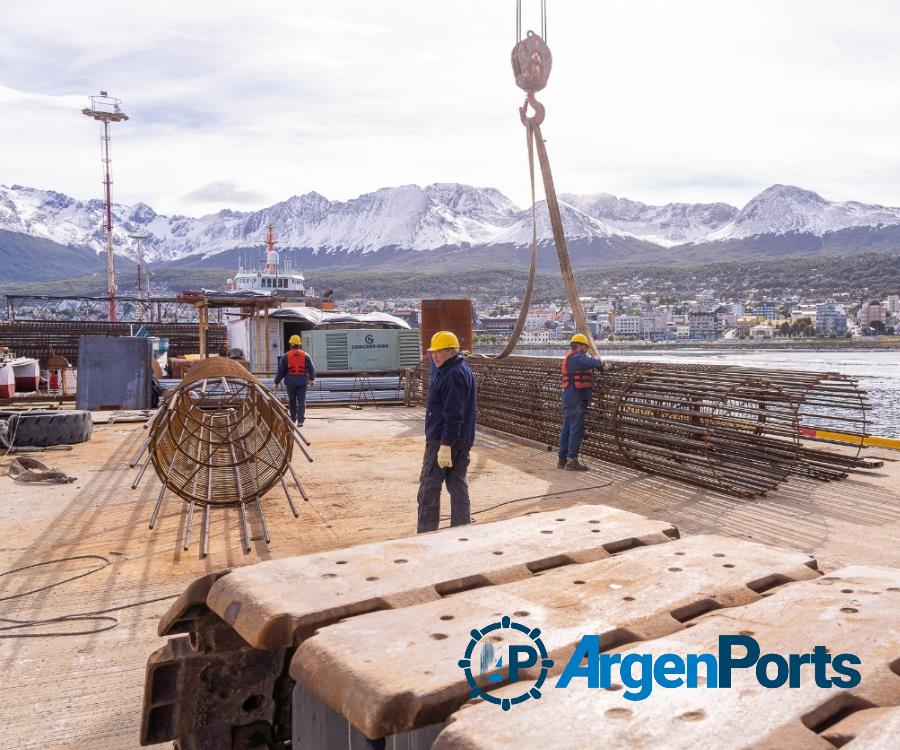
100	615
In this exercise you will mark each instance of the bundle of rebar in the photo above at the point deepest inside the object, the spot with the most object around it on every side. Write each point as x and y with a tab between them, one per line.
40	339
221	440
737	430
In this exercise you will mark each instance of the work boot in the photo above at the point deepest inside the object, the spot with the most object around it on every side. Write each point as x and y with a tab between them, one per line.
561	464
573	465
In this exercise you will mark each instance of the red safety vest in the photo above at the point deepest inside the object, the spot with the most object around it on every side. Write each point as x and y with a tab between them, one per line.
296	362
581	378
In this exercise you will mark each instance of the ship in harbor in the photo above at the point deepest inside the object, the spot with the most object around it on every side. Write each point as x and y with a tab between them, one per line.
339	342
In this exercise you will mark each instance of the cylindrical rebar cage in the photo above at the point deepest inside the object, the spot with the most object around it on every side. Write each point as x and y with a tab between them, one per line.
222	439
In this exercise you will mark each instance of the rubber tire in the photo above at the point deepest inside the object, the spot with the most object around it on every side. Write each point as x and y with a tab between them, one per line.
46	427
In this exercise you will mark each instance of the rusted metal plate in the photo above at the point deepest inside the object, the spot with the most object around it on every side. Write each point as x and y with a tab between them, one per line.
855	610
411	677
187	692
276	603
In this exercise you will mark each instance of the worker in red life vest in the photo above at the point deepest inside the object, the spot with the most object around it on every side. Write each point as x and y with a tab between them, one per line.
577	384
296	369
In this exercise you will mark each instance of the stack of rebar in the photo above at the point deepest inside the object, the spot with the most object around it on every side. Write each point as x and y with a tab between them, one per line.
221	440
40	339
737	430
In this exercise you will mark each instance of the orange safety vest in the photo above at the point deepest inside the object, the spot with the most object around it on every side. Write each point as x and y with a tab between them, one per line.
581	378
296	362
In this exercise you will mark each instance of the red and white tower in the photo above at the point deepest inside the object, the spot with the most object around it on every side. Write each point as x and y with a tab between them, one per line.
106	109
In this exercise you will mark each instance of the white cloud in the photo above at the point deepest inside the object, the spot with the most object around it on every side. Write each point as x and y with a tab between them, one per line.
654	100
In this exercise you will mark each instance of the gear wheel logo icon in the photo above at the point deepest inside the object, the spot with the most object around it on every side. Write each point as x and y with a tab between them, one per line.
525	650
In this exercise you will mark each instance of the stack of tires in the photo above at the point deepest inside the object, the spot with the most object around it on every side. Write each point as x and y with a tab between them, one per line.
42	428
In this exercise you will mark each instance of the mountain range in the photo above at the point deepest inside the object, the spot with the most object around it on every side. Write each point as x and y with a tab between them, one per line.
409	225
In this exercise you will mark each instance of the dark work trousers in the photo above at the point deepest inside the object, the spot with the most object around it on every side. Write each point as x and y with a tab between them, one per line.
432	479
572	430
297	400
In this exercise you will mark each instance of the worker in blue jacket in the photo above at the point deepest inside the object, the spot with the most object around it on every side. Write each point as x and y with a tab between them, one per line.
577	385
449	434
296	369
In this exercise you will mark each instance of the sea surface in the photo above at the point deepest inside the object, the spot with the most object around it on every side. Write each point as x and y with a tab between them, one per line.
877	373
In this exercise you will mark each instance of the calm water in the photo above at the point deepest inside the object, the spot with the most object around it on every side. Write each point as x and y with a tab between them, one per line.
878	373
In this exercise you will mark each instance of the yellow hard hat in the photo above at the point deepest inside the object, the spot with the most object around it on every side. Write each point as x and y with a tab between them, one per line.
580	338
294	340
443	340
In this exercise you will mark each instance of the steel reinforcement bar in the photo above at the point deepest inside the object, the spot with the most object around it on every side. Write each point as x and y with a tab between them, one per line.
221	440
737	430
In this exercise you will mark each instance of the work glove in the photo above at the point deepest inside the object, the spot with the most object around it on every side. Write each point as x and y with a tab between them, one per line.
443	458
606	367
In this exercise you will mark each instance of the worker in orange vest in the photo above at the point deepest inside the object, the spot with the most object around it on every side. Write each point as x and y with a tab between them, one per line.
296	369
578	386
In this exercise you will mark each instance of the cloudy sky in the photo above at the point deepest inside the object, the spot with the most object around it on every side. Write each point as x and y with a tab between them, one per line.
241	104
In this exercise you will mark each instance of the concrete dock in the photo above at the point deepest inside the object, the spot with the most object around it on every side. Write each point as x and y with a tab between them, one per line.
85	691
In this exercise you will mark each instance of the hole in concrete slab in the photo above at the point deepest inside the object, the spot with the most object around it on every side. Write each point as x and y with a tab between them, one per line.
400	561
613	686
693	715
622	545
560	519
329	575
252	703
745	632
593	521
616	638
894	666
617	713
341	562
372	578
546	531
892	588
456	585
438	636
464	539
832	711
446	617
595	531
627	598
498	552
695	609
496	638
579	583
768	583
679	553
728	565
536	566
849	610
522	613
674	570
672	533
846	591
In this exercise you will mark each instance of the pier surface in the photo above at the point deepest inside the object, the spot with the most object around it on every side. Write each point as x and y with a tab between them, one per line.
85	691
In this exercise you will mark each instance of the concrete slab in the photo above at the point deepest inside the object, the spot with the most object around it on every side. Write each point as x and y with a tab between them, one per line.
871	729
854	610
412	678
276	603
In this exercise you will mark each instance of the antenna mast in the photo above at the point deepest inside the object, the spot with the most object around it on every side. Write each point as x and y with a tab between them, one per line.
106	109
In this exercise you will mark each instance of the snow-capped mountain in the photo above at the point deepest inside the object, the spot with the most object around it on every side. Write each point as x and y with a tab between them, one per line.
442	215
672	224
782	208
407	217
